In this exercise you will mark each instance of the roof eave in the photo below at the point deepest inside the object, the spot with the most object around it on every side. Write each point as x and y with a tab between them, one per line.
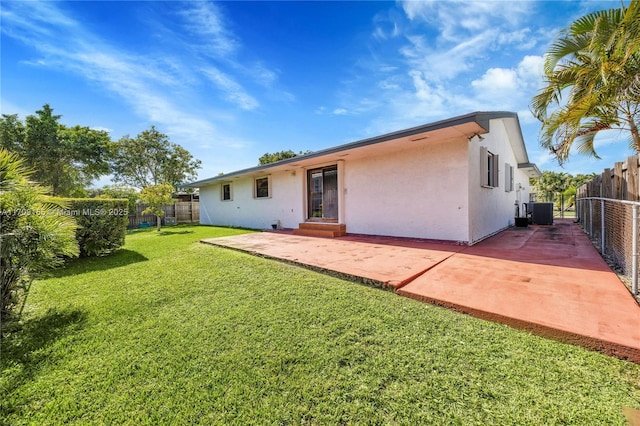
482	119
531	169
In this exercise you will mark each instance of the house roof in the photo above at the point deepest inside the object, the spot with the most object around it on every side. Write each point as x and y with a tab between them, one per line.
469	125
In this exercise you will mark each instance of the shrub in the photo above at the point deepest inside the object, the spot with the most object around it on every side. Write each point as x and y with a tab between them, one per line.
102	224
33	237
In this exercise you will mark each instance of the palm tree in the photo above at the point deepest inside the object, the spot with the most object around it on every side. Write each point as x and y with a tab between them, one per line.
550	184
595	62
34	235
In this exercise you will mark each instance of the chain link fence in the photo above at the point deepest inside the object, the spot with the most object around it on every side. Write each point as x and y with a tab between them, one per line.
612	225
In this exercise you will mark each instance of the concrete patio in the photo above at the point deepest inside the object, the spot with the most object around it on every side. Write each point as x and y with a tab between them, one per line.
549	280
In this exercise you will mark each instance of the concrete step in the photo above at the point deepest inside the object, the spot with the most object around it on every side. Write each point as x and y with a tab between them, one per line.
321	229
327	226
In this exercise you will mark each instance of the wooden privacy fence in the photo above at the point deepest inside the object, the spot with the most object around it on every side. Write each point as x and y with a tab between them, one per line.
619	183
608	210
181	212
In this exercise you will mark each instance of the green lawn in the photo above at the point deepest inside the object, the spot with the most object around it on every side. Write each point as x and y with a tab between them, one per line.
170	331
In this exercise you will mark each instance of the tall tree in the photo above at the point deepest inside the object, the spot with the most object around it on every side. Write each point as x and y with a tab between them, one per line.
66	159
551	185
11	133
595	64
118	191
151	159
272	157
89	152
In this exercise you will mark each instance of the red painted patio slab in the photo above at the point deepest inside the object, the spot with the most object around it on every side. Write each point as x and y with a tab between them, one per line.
546	279
376	260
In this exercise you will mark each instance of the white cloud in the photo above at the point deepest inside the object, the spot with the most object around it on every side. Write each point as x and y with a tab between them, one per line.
39	21
264	75
530	70
386	25
234	91
446	62
497	82
507	88
467	33
610	137
340	111
455	20
526	117
221	49
449	58
205	20
158	88
388	68
521	39
542	158
389	84
424	92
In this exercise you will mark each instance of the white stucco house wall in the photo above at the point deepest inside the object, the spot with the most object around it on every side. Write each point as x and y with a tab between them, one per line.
458	180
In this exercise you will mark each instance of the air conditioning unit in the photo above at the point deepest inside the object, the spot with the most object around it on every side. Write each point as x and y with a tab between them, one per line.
542	213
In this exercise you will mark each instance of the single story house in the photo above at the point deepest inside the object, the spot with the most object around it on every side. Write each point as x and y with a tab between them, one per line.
458	179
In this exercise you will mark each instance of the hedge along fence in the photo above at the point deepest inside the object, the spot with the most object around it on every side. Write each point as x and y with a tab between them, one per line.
102	224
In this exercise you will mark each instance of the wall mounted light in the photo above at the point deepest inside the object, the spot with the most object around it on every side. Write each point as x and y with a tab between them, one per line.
480	138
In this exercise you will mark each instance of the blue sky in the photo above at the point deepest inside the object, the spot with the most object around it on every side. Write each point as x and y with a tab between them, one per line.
232	80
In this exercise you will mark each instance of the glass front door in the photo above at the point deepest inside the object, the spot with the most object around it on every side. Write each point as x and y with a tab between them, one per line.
323	193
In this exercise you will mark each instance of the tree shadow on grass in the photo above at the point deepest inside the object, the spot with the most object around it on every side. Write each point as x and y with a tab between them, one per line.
122	257
164	233
24	352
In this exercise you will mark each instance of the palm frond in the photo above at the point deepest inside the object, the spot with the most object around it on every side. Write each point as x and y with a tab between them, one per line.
592	72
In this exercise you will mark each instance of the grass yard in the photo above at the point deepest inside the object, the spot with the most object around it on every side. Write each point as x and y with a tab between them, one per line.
170	331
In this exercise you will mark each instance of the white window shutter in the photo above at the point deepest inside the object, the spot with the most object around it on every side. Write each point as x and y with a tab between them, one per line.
511	178
484	166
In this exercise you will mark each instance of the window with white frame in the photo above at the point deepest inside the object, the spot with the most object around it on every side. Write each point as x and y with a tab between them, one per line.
262	187
508	177
225	192
488	168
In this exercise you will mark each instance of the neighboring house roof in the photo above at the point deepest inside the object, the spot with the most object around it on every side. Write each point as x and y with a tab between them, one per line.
469	125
